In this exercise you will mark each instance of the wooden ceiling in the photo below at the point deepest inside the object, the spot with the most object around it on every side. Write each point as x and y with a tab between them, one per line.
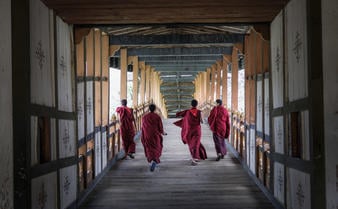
165	11
178	38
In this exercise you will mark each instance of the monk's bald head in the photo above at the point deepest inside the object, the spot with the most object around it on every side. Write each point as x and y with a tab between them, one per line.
124	102
152	107
194	103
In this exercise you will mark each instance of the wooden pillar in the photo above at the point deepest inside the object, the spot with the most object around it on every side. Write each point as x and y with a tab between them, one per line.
147	82
208	85
213	79
142	67
225	82
105	79
218	79
135	80
234	80
123	79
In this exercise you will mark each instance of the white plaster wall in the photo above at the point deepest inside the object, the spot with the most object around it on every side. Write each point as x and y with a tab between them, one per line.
330	78
6	132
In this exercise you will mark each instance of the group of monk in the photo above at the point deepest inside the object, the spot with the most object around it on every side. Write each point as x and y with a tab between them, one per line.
152	131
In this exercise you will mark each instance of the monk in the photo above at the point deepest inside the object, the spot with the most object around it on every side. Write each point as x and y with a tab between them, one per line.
219	124
151	138
127	128
191	132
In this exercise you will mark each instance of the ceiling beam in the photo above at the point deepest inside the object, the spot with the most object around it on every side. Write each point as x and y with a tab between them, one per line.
176	39
181	58
177	51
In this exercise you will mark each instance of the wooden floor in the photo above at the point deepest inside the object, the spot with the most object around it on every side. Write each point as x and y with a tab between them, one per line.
176	183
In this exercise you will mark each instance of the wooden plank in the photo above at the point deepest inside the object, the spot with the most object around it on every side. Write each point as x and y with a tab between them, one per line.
6	105
105	56
105	107
80	60
123	78
89	72
222	184
97	53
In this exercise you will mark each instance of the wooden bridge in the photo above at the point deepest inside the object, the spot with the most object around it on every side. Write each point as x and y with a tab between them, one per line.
175	183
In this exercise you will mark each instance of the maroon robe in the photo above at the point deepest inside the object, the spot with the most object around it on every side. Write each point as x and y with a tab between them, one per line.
191	132
152	140
220	126
127	129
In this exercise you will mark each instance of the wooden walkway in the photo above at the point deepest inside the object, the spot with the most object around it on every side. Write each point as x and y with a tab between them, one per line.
175	183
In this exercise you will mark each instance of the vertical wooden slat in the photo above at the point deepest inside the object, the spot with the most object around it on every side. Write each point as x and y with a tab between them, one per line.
135	80
213	79
105	77
218	79
123	79
90	54
234	80
142	82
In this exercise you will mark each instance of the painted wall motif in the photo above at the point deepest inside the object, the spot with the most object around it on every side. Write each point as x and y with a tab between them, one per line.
299	194
41	52
64	67
277	60
278	133
44	191
67	138
296	49
6	129
68	185
279	182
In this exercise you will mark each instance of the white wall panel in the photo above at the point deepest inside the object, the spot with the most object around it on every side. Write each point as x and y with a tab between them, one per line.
279	182
266	107
104	149
98	155
80	110
278	134
6	129
298	190
252	150
64	67
90	107
277	60
259	105
68	185
296	43
44	189
41	53
67	138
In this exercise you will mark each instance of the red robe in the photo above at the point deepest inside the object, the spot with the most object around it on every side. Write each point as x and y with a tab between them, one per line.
191	132
152	140
220	126
127	129
219	121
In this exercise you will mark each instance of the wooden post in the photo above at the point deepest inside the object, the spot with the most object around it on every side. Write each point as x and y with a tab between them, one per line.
208	85
123	79
143	81
213	79
135	80
218	79
225	82
147	82
234	80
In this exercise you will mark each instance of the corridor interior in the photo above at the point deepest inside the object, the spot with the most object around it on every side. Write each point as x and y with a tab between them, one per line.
175	183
